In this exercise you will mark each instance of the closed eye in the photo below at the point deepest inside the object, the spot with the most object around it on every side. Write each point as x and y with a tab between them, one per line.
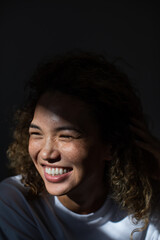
70	137
66	136
34	133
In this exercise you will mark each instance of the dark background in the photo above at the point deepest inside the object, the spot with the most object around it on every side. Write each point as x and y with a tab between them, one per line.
32	30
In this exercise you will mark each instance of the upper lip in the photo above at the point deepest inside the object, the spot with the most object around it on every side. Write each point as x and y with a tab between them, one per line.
54	166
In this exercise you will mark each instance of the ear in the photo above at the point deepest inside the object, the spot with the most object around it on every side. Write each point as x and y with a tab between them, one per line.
108	153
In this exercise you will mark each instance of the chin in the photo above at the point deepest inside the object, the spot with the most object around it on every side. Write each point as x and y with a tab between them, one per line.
55	189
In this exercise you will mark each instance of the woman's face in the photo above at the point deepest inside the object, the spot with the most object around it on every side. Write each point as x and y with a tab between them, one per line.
66	147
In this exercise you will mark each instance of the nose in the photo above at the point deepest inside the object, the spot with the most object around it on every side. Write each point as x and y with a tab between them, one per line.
49	151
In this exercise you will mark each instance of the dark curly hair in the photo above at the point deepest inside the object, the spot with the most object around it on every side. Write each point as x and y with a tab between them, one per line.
99	83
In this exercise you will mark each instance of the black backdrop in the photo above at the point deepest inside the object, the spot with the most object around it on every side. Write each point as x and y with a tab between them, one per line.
31	30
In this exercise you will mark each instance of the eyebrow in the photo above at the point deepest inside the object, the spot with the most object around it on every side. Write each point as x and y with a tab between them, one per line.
58	129
34	126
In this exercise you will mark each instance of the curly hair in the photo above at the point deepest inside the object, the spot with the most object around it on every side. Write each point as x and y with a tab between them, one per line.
102	85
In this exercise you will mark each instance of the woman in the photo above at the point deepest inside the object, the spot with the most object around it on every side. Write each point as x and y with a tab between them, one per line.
85	161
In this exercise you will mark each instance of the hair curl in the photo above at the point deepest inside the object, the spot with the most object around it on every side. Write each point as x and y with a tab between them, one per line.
91	78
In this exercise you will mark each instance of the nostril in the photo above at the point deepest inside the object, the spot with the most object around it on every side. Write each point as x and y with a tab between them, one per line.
52	160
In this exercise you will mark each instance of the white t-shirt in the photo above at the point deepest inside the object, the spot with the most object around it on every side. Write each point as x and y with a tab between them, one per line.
45	218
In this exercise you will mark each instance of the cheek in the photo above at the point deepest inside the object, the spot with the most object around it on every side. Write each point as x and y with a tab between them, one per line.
75	153
33	149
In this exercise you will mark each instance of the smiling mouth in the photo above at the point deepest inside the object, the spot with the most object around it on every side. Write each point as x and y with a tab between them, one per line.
56	171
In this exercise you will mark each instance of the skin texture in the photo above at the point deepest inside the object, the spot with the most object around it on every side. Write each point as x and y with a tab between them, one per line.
63	133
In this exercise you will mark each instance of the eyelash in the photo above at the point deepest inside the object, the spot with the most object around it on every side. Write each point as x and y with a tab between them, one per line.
34	133
66	136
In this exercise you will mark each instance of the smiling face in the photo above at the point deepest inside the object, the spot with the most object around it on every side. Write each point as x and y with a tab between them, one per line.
66	147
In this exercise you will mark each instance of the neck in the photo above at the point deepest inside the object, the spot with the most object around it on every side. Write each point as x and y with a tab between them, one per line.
83	204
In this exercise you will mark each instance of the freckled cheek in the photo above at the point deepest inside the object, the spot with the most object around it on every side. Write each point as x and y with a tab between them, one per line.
33	149
74	153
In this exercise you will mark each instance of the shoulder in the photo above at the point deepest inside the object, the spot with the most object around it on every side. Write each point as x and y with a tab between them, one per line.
17	217
13	196
12	188
11	182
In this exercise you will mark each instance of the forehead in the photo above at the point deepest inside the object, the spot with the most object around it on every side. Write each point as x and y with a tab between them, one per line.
63	107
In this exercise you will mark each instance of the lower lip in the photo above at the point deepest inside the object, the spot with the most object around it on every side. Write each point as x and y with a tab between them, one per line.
57	178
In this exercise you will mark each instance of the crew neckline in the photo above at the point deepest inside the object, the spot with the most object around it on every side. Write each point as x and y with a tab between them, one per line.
103	213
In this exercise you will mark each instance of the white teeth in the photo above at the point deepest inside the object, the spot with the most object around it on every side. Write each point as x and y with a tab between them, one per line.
56	171
53	171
